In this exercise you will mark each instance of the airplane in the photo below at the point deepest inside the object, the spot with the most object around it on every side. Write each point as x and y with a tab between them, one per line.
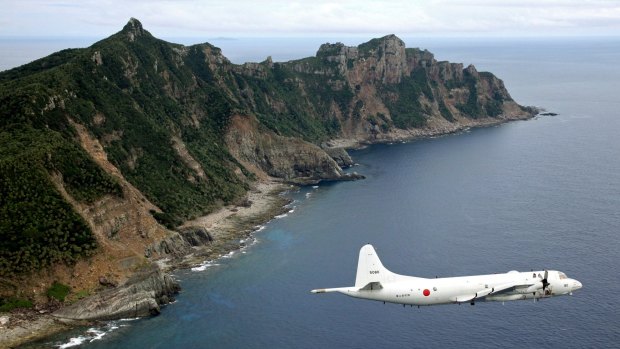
374	282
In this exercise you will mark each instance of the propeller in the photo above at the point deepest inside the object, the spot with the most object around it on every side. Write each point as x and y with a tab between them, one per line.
545	283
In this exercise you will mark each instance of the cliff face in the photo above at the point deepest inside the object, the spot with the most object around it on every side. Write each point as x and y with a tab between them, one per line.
141	296
395	88
289	158
105	150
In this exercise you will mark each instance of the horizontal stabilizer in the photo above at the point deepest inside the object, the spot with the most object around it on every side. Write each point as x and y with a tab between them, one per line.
339	289
372	286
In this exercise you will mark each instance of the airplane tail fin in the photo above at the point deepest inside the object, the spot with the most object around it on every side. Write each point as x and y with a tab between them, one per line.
370	271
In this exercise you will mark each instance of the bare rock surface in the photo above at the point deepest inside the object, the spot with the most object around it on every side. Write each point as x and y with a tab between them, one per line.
140	296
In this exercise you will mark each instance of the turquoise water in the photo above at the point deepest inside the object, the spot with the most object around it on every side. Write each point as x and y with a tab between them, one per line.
543	193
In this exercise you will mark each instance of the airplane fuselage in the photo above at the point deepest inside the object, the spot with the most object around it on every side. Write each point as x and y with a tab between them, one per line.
421	291
375	282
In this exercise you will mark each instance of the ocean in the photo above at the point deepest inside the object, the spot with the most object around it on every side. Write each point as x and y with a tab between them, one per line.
536	194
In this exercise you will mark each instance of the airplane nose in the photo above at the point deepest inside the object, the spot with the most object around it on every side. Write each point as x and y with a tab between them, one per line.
577	285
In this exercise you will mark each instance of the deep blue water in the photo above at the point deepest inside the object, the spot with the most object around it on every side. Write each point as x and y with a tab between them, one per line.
543	193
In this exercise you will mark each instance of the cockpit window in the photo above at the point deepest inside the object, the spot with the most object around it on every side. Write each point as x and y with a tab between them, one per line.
562	275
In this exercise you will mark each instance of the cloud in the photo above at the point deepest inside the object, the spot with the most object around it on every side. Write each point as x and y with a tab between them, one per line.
317	17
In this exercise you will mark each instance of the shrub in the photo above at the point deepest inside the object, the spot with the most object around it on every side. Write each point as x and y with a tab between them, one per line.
13	303
58	291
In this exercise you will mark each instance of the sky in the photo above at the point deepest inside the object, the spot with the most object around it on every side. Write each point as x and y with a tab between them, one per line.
312	18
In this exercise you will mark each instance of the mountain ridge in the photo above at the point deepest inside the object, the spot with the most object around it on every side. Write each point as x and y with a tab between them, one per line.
132	136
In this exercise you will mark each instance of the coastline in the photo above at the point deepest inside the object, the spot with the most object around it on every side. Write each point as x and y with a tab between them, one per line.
28	325
231	225
228	226
435	128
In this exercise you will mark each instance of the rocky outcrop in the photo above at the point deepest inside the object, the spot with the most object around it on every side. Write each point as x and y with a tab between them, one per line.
340	155
142	295
405	90
133	29
172	246
288	158
196	236
179	243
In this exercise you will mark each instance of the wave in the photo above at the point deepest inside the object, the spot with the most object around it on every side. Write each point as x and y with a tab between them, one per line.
228	255
285	214
204	266
94	334
73	342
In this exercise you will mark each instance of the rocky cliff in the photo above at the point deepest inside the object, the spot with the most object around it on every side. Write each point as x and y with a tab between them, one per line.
141	296
105	151
289	158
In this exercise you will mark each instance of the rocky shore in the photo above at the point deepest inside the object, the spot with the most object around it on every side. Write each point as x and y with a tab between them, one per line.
434	129
210	237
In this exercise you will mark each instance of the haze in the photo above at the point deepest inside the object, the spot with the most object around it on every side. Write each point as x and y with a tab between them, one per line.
282	18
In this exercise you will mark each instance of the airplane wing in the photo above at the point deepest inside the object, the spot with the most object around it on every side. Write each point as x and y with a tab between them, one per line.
505	287
491	291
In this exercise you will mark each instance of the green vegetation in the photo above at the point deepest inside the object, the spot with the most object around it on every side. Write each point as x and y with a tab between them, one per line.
327	50
371	47
138	98
472	107
476	108
82	294
445	112
58	291
9	304
37	226
308	117
493	107
407	112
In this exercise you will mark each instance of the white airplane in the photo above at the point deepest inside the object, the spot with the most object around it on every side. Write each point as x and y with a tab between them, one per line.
375	282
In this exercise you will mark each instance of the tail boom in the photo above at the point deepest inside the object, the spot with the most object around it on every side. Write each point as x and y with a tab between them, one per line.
337	289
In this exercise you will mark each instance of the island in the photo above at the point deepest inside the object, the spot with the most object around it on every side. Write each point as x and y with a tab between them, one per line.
124	160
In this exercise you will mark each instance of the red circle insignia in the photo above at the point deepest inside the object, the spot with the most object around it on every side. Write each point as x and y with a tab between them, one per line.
426	292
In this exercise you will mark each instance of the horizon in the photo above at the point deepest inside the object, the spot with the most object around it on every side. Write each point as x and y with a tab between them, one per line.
280	18
16	51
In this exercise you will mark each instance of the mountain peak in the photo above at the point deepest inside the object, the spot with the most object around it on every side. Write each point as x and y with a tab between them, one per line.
391	37
132	25
133	29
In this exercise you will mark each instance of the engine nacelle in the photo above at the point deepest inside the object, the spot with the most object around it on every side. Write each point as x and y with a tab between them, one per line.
535	287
